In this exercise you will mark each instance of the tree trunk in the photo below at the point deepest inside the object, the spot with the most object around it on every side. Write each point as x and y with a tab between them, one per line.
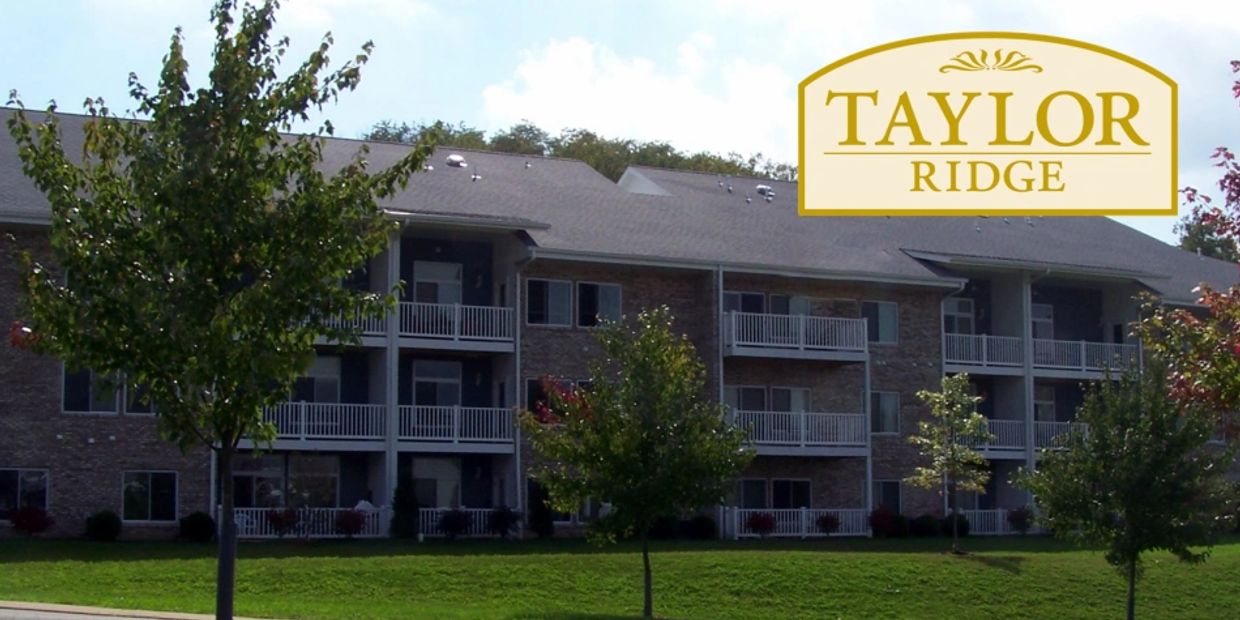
1132	589
955	504
648	605
226	571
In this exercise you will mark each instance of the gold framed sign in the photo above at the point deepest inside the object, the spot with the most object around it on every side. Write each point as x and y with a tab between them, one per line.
988	123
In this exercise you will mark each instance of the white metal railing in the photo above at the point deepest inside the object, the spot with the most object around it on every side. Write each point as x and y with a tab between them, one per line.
1008	435
988	522
428	521
803	428
456	321
456	424
309	522
983	350
797	522
1051	434
303	420
1083	355
794	331
368	325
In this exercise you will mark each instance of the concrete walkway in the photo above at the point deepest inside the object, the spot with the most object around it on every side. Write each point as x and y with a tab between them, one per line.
13	610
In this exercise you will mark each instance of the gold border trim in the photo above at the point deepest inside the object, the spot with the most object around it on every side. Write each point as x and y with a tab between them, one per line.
986	34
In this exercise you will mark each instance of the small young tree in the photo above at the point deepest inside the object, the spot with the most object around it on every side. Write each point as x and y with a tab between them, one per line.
205	249
948	441
1138	480
643	437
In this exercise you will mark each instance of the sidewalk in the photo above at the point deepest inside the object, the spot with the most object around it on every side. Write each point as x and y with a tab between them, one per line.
14	610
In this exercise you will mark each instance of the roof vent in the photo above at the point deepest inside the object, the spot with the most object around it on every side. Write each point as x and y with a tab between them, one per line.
457	161
766	190
729	188
427	167
475	177
748	199
769	198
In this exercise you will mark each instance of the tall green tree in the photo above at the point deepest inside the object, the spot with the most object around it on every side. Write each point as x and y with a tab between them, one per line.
204	248
1139	479
524	138
459	135
947	441
643	437
1200	232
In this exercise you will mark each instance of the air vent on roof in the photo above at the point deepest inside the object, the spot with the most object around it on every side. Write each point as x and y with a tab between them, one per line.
748	199
475	177
457	161
528	165
427	167
766	190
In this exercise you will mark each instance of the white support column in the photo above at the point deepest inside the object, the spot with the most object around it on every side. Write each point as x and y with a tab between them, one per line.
391	385
1026	316
869	439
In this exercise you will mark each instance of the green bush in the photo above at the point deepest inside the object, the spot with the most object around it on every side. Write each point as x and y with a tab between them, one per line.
926	525
104	525
198	527
404	511
541	520
664	528
962	528
503	521
701	527
1020	519
827	523
453	523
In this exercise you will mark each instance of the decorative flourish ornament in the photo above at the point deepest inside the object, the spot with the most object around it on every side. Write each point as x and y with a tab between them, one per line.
984	61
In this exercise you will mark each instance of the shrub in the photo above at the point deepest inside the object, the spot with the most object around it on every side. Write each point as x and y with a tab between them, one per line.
503	521
1020	519
31	520
883	522
899	527
104	526
827	523
701	527
198	527
761	523
542	520
664	528
350	522
926	525
962	524
282	520
404	511
453	523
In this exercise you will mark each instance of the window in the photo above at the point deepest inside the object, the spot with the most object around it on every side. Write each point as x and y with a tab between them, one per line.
87	392
790	494
787	304
535	394
882	321
436	283
744	302
137	402
885	412
436	383
745	397
313	480
1044	403
548	302
597	303
958	315
752	493
887	495
1043	320
20	488
149	496
321	383
789	399
259	482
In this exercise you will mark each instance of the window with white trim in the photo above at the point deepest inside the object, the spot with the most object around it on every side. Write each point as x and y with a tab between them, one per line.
885	412
87	392
789	400
745	397
548	302
149	496
321	383
436	282
597	303
1044	403
958	315
137	402
1043	320
882	321
786	493
751	493
436	383
734	301
887	494
20	488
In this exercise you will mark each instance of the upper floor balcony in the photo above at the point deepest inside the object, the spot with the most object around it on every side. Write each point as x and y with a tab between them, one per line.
798	433
330	421
456	326
1004	355
482	429
795	336
1009	440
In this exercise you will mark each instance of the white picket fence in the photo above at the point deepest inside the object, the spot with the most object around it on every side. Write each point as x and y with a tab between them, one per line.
428	521
310	523
795	522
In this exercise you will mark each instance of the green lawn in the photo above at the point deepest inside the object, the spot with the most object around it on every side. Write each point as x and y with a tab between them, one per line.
1002	578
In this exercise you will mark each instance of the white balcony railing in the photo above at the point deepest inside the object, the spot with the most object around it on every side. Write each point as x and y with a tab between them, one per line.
781	428
988	522
303	420
456	424
983	350
428	521
309	523
368	325
794	331
797	522
1009	435
1083	355
456	322
1051	434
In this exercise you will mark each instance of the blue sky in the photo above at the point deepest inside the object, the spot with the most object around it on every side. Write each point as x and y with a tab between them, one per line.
719	75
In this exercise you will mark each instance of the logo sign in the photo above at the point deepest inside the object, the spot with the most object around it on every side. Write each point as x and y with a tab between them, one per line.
988	123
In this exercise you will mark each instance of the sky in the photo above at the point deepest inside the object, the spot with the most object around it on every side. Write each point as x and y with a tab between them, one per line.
702	75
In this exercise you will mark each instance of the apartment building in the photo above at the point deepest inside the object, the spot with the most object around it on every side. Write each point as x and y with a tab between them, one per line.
817	332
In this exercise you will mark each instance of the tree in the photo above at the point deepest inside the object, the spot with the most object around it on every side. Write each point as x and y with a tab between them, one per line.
947	442
1138	480
643	437
524	138
204	249
1199	232
459	135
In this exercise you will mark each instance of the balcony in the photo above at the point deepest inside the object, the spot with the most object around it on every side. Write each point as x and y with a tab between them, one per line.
805	433
304	420
1051	434
456	326
310	523
1009	439
794	336
487	429
985	353
795	522
368	326
1072	358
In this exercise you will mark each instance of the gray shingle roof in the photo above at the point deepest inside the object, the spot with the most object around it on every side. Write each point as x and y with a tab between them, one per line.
565	206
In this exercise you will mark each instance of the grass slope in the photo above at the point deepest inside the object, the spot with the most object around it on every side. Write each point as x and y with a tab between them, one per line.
1007	578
